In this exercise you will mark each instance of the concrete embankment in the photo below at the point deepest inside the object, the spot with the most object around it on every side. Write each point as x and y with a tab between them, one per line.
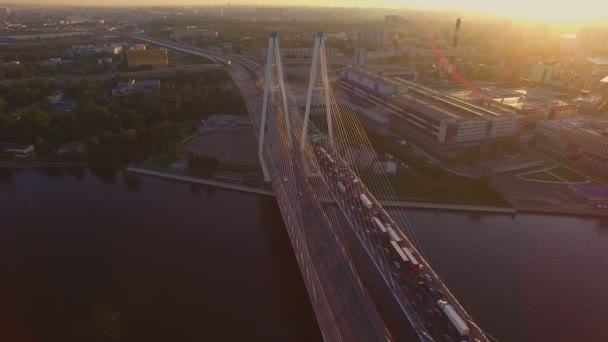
390	204
236	187
563	211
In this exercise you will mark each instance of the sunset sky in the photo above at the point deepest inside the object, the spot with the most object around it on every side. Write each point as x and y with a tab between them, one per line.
579	10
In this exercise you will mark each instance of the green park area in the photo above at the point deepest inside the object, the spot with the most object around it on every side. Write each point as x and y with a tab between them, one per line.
573	164
116	129
424	182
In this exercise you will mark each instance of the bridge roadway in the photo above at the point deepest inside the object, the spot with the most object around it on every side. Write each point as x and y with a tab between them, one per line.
344	310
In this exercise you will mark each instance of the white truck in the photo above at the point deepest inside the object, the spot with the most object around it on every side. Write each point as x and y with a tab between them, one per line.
366	202
458	323
392	234
379	224
341	187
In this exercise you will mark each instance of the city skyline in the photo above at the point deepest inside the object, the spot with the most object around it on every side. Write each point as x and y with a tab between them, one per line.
562	12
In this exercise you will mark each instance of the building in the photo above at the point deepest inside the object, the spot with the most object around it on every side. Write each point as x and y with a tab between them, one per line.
394	20
440	118
17	150
359	56
369	35
373	81
583	135
71	148
132	86
547	73
155	58
532	103
114	49
381	56
76	50
590	193
592	39
227	122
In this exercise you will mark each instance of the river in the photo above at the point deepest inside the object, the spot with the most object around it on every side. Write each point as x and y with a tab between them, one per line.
96	255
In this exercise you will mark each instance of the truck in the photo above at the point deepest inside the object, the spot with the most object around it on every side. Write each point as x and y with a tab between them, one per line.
402	256
410	256
379	224
392	234
341	187
366	202
449	311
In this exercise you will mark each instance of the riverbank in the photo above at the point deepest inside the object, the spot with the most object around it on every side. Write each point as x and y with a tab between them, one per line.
390	204
269	192
229	186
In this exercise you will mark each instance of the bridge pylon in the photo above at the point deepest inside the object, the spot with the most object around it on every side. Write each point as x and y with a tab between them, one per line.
273	58
319	55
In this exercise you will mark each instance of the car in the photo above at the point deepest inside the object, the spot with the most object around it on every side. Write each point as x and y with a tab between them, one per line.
428	277
284	179
300	193
368	232
397	264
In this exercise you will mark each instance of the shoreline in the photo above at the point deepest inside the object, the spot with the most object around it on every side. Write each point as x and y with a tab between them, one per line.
392	204
470	208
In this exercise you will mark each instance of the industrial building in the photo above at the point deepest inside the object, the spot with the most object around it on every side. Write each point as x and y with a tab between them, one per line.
138	57
440	118
533	104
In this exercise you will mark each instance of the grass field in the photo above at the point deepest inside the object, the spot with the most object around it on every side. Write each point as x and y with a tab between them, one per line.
567	174
571	163
541	176
424	182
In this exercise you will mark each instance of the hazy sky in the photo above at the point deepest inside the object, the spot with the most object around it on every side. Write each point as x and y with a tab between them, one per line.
554	10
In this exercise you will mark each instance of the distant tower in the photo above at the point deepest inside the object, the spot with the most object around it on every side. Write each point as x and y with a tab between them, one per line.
452	66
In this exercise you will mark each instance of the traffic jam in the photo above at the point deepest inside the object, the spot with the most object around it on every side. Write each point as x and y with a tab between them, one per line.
439	317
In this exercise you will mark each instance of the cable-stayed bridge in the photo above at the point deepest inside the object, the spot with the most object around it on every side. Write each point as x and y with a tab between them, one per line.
366	275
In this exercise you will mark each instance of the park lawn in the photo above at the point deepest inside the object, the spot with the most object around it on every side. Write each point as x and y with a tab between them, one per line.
541	176
567	174
571	163
432	182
